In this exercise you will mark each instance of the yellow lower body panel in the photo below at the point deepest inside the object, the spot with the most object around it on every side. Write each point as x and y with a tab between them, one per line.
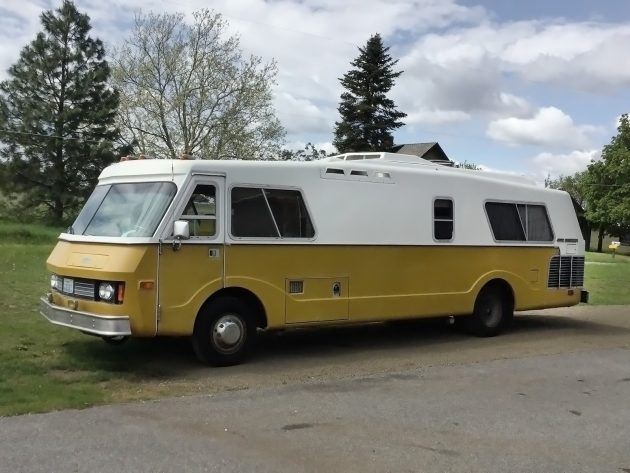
387	282
304	284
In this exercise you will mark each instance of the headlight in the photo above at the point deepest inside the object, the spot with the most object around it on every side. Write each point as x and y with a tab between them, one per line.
106	291
55	282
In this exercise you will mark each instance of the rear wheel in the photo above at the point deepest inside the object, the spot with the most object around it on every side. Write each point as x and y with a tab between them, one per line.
224	332
493	312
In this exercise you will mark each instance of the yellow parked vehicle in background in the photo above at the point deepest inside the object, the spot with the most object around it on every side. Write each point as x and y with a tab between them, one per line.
216	250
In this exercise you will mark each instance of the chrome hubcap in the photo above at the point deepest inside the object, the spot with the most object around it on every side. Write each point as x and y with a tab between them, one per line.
228	333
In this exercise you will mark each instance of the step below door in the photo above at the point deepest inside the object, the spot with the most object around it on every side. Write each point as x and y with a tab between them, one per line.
316	299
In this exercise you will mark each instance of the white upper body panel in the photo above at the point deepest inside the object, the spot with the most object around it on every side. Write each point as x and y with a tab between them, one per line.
384	200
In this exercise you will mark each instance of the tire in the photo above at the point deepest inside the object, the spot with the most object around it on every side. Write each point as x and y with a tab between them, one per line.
224	332
116	340
493	312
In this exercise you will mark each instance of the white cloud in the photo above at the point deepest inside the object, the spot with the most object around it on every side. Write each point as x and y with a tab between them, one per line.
566	164
461	64
549	127
436	117
327	146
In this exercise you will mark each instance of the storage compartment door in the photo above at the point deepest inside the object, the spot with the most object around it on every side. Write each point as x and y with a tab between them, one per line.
316	299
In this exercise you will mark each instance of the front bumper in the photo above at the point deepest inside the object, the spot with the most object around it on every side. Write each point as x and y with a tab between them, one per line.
112	326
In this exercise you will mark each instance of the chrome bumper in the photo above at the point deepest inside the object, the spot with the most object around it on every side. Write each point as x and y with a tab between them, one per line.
84	321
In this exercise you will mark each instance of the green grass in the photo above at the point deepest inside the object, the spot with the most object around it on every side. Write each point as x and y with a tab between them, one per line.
44	367
11	232
607	279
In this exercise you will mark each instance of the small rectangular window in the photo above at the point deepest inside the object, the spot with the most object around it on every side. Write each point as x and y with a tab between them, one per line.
519	222
443	219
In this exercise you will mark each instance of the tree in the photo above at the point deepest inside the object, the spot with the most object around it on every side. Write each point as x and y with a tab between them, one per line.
576	186
57	115
186	89
309	153
608	185
466	165
367	116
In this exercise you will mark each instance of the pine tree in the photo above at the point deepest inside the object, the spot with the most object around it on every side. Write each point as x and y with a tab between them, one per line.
57	115
367	116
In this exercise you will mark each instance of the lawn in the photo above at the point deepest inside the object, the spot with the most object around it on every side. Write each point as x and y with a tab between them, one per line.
607	279
44	367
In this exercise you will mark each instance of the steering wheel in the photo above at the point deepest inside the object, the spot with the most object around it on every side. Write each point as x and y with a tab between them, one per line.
135	229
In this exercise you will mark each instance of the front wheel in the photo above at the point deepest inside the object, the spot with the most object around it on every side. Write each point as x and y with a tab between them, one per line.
493	311
224	332
115	340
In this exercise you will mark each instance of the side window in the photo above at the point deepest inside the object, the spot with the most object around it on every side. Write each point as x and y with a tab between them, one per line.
200	211
505	221
519	222
269	213
443	219
290	213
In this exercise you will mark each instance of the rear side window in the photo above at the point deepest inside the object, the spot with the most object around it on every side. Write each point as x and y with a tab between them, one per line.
270	213
519	222
443	219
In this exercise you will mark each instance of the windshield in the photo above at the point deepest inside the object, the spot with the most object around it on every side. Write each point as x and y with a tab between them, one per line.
124	210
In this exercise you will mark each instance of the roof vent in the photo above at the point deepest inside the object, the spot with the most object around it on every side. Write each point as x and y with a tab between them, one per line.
358	173
334	171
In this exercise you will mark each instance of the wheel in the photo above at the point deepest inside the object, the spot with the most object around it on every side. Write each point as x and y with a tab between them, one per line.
493	311
224	332
117	340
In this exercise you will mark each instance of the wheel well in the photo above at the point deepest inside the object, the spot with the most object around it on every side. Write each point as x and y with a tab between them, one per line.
503	286
245	295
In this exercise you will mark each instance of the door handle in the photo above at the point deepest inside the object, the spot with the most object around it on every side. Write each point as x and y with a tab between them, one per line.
214	253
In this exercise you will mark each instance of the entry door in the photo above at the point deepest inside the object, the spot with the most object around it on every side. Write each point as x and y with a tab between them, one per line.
192	271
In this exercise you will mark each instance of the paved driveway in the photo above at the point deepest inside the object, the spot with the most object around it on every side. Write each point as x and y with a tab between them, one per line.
565	409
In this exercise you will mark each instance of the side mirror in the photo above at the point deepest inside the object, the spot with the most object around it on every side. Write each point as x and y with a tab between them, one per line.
181	231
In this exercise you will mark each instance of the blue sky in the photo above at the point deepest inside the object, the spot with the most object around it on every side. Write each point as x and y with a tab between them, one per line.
532	87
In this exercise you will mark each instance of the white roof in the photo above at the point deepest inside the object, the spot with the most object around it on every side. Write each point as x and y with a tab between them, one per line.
386	199
165	168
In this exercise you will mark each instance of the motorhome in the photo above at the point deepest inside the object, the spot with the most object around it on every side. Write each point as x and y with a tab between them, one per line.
217	250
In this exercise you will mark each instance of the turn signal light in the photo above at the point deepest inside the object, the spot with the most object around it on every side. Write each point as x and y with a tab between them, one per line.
120	293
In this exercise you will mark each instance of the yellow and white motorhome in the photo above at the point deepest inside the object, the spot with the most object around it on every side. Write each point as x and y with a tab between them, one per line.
218	249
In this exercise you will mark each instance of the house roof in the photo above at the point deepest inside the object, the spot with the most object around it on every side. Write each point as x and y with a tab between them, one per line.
420	149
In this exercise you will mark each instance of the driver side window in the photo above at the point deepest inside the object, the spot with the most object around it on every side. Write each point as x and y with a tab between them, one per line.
200	211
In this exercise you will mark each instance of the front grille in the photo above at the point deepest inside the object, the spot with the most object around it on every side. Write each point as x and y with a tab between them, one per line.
566	271
84	289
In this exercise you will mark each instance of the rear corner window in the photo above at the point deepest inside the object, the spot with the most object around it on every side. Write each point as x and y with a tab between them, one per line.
519	222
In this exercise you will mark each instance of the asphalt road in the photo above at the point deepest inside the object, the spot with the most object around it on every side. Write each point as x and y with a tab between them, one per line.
552	396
